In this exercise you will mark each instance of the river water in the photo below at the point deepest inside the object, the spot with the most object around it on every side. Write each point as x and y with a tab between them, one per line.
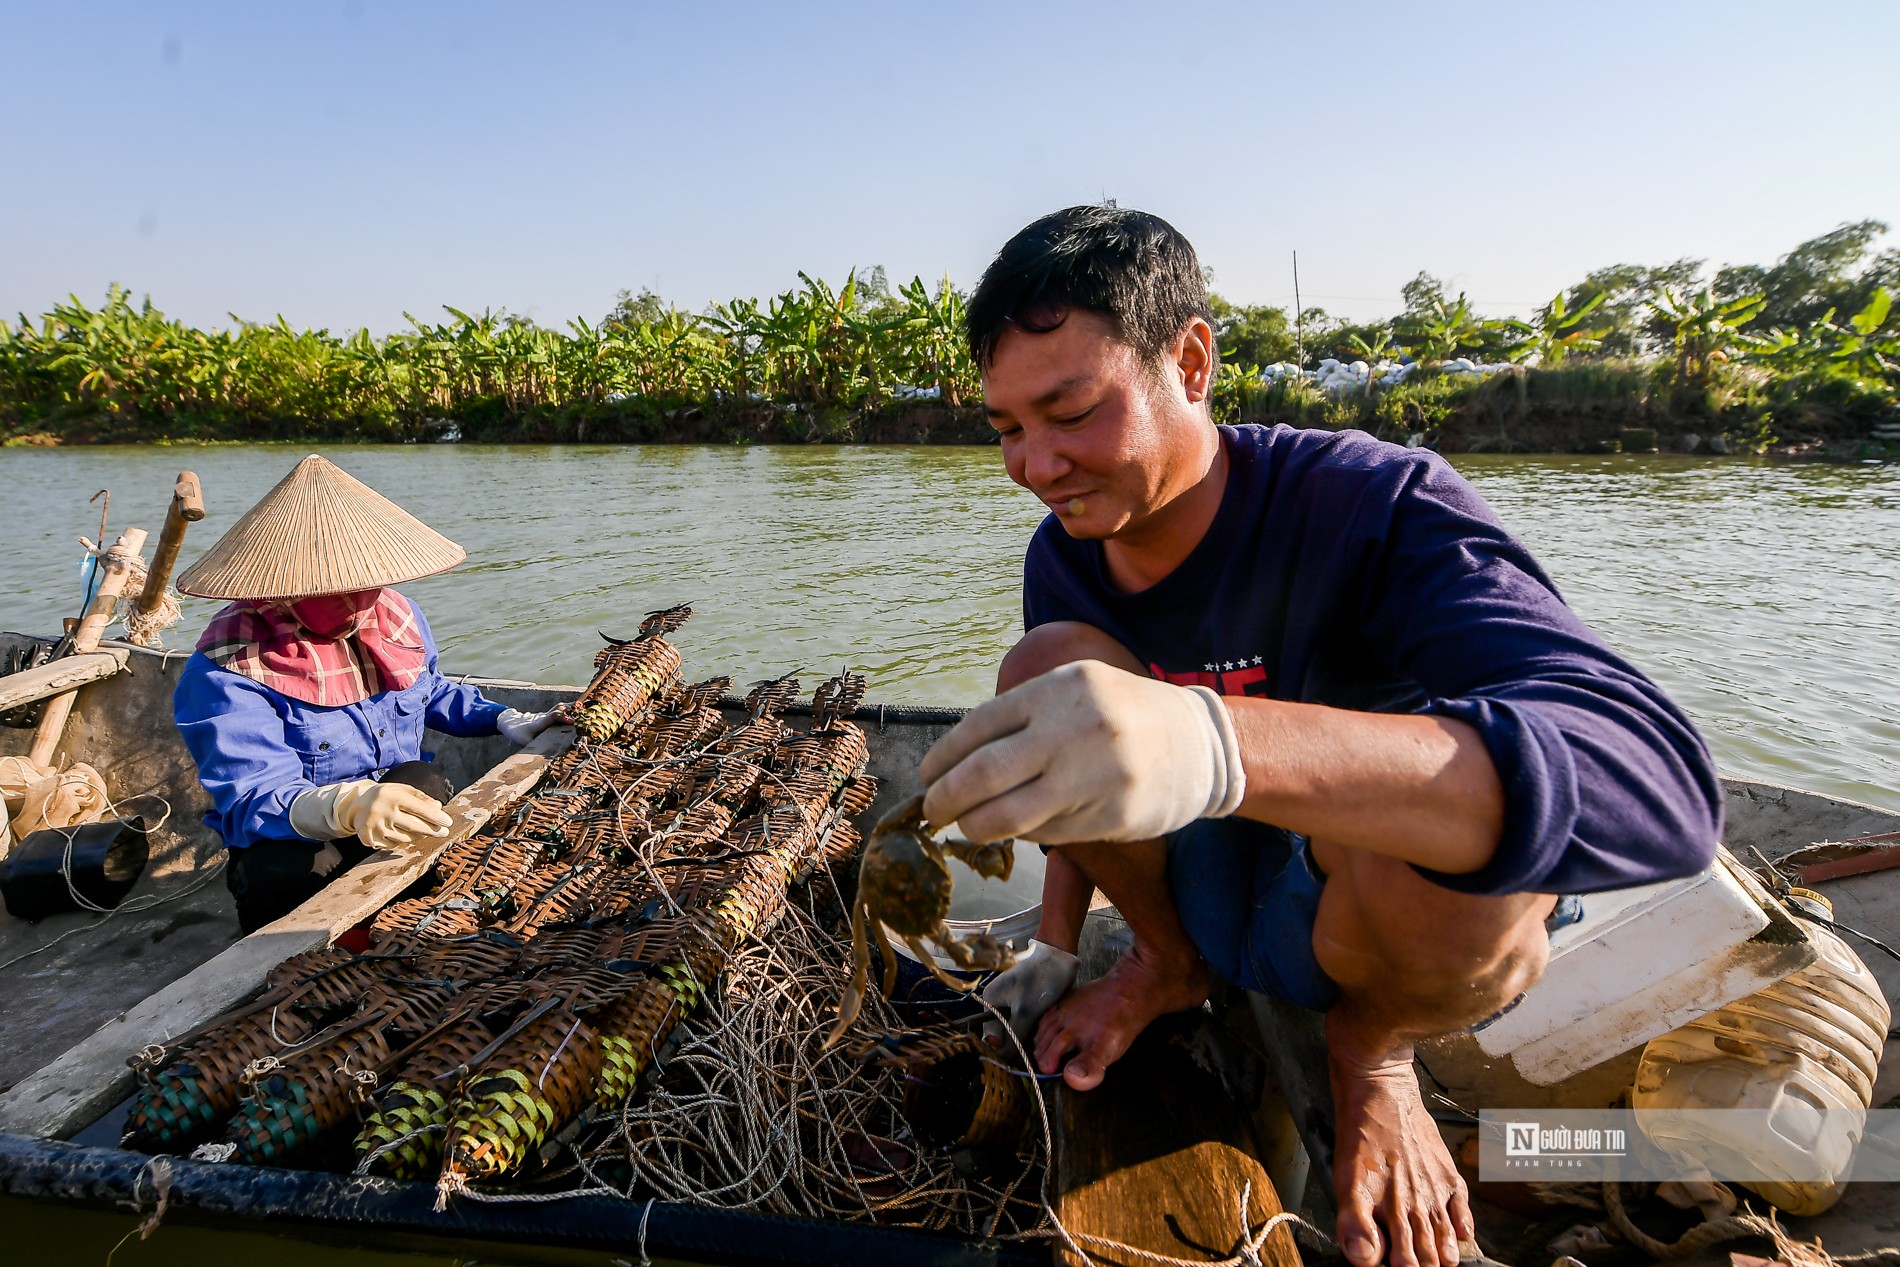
1763	597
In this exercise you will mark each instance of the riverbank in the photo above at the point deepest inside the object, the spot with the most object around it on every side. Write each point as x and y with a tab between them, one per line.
1591	408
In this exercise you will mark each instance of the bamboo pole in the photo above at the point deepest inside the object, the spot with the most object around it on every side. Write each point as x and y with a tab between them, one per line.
188	507
117	565
1299	317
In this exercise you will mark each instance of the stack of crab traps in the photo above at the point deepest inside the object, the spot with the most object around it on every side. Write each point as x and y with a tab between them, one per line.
540	976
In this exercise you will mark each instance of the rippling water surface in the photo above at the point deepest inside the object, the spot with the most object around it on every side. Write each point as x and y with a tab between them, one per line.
1762	596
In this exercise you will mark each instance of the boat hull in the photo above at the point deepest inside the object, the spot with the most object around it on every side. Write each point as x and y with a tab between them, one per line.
372	1213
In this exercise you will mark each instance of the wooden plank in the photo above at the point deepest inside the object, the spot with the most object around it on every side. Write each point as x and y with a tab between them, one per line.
68	673
1159	1156
74	1089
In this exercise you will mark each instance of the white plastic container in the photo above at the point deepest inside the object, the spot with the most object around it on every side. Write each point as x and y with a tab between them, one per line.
1801	1054
1643	961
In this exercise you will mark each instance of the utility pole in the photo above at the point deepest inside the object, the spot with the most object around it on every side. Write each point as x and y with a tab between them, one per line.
1299	316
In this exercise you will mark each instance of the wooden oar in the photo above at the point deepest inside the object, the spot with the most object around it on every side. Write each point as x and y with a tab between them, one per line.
188	507
116	564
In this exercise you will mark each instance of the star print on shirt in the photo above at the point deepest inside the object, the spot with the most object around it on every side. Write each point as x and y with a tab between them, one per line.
1240	676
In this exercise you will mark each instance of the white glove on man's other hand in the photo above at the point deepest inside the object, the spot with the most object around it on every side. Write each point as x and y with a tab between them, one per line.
381	815
518	727
1029	987
1086	752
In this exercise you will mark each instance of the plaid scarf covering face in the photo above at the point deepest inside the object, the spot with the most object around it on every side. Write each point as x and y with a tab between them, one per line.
329	651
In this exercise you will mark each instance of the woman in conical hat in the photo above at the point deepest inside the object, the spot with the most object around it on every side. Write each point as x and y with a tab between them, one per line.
305	701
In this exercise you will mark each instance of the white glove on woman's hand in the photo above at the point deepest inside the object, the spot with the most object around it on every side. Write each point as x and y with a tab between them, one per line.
1029	987
381	815
1086	752
518	727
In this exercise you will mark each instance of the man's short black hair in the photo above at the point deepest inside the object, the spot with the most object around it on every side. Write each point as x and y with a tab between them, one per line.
1134	269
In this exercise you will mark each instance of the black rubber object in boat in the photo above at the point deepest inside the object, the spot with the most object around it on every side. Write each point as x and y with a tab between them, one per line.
108	857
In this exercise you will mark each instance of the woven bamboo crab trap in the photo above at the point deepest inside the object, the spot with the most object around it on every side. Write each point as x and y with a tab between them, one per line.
529	999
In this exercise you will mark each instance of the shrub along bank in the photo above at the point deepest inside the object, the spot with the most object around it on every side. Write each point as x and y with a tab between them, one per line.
1590	407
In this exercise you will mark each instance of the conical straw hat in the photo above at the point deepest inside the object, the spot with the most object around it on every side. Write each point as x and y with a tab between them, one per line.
320	531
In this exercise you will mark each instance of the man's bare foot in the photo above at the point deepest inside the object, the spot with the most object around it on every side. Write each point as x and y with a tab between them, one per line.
1401	1199
1092	1026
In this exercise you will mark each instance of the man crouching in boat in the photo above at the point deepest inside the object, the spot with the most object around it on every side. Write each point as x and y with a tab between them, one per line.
306	699
1297	704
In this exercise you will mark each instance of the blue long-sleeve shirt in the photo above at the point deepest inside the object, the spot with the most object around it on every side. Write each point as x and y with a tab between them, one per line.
1343	571
257	750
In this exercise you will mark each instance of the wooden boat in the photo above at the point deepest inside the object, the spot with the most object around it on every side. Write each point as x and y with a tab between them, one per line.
85	993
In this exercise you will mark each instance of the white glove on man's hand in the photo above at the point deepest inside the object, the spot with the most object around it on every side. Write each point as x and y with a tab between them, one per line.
518	727
381	815
1028	988
1086	752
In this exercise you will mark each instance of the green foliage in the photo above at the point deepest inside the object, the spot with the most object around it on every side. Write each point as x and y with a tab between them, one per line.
1372	345
1422	293
1557	331
1757	351
126	371
1705	328
1623	310
1868	346
1816	277
1240	396
633	310
1344	340
1439	331
1578	406
1260	335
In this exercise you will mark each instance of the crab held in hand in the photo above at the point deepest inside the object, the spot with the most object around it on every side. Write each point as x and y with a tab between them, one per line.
904	885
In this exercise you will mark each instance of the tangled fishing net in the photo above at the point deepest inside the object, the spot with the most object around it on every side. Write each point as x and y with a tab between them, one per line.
753	1112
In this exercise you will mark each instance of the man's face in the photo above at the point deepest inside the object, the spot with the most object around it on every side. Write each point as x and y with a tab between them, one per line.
1085	425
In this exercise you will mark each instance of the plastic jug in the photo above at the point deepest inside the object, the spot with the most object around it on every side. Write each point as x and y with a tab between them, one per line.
1802	1053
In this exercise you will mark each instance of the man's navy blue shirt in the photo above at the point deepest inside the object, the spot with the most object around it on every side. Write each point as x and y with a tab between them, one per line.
1344	571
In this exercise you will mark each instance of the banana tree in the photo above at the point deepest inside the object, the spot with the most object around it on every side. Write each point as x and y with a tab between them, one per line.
1862	348
1441	331
1707	330
1235	382
930	340
738	328
1371	351
1557	332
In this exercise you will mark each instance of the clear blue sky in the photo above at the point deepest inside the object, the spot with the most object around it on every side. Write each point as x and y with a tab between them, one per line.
341	162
